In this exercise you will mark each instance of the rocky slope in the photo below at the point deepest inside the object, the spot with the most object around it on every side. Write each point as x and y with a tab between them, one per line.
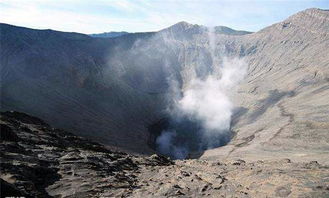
113	90
284	100
40	161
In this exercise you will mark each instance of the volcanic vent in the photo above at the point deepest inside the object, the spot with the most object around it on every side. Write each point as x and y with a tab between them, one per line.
113	90
198	109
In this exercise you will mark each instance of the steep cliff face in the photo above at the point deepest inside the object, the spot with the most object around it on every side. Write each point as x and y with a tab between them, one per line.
112	90
61	77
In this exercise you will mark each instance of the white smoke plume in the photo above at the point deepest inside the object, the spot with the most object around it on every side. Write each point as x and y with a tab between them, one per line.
208	100
186	71
203	102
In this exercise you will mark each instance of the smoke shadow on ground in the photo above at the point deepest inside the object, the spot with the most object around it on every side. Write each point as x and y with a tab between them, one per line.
238	112
273	97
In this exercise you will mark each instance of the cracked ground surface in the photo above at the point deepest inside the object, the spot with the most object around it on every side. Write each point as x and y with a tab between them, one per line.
40	161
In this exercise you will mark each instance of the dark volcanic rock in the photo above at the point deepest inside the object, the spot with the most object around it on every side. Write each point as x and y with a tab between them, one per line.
158	160
7	134
22	117
40	161
9	190
48	162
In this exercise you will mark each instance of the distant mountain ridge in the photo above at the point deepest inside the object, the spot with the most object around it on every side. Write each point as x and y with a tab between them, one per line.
183	25
109	34
217	29
229	31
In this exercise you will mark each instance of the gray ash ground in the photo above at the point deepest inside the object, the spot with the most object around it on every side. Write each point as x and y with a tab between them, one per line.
40	161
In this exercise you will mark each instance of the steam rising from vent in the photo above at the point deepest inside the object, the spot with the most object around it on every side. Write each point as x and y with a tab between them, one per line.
180	75
206	102
166	146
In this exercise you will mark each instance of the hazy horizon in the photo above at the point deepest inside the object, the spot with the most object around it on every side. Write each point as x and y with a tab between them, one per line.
145	16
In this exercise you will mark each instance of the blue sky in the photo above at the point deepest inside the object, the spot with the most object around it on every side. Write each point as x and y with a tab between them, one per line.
94	16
